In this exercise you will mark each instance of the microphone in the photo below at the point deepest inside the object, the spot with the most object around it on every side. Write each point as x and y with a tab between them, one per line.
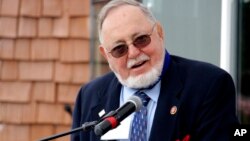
133	104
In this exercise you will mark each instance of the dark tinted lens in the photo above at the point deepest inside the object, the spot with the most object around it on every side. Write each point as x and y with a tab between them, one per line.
119	51
142	41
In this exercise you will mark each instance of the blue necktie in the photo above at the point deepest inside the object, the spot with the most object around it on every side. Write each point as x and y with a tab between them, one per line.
139	123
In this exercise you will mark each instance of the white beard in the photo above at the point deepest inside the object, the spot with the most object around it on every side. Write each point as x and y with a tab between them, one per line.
143	80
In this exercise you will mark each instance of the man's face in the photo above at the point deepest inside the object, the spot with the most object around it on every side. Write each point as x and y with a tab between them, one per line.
122	26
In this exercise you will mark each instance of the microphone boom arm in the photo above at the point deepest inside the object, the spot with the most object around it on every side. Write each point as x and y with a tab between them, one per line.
85	127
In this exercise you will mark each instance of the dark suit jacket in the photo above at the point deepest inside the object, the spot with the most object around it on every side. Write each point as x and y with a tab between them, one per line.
203	94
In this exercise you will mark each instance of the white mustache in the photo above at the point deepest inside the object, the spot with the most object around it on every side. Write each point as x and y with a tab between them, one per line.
141	58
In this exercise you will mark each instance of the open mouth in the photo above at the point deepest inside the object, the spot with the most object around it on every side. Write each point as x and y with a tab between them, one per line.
138	64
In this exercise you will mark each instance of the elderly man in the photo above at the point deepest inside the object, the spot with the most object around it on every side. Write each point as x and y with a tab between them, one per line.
186	99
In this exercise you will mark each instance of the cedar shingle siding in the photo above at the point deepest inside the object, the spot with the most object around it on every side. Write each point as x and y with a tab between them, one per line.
44	59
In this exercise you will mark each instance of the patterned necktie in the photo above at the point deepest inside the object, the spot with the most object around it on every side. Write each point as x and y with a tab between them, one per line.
139	124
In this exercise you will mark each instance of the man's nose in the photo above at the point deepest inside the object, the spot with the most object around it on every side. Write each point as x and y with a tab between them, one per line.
133	51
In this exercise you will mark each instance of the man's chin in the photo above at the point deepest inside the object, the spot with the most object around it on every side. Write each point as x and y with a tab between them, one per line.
140	81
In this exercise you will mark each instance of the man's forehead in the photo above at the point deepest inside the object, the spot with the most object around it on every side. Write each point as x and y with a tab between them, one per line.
123	14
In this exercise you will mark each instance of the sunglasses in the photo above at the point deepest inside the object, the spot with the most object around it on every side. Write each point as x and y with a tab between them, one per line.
139	42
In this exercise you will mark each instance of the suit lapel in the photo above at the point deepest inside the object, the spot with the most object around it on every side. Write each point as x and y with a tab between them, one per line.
164	121
109	99
113	95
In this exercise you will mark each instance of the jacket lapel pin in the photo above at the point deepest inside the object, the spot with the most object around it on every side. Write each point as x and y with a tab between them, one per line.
173	110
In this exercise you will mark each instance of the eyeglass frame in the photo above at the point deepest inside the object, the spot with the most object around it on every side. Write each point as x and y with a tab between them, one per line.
127	45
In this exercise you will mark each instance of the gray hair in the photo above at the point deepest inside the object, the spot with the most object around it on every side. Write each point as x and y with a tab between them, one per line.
117	3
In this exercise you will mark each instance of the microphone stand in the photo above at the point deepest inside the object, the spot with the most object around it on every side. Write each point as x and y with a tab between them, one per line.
85	127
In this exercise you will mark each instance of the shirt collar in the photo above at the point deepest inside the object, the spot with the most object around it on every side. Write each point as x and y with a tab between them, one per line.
153	93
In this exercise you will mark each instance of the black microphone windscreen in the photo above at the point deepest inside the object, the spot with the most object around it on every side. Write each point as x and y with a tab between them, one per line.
134	103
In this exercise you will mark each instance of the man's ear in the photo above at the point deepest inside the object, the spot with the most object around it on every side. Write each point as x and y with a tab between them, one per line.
160	30
102	51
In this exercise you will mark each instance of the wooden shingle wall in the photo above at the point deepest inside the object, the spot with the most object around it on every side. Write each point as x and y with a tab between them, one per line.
44	59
